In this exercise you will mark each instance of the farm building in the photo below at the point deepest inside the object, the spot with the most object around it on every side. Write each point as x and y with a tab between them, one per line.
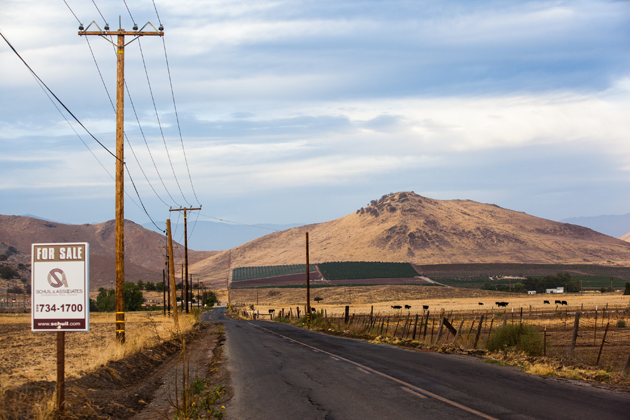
556	290
531	292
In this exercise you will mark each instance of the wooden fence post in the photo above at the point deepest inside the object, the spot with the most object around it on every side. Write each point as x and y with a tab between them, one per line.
347	315
545	341
459	329
415	325
426	326
626	367
439	330
602	346
505	317
478	331
432	327
575	334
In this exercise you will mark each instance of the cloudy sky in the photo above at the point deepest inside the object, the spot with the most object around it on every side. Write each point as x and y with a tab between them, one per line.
303	111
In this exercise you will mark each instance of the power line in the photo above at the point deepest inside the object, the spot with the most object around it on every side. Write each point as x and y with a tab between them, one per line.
75	16
241	224
177	119
158	119
55	96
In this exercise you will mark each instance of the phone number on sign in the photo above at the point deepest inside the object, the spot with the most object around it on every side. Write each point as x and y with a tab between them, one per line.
61	308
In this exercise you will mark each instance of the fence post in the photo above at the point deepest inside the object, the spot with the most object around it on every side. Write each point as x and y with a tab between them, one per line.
415	325
432	327
545	341
490	330
439	330
426	325
347	314
505	317
461	324
626	367
602	346
595	333
478	331
575	334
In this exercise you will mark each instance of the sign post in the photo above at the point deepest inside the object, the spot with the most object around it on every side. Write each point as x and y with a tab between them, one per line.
60	280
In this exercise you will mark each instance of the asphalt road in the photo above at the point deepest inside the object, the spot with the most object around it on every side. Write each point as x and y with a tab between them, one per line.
283	372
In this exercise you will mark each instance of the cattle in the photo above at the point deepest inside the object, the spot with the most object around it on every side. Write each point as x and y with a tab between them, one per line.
313	309
547	302
558	302
564	302
480	304
407	306
271	311
502	304
425	307
396	307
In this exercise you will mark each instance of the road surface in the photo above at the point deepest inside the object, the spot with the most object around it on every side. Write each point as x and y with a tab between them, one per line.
282	372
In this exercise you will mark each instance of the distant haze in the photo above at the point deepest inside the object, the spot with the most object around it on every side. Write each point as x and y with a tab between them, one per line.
215	236
612	225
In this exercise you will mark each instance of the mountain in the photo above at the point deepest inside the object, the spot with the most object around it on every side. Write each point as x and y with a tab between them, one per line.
144	259
213	236
615	226
407	227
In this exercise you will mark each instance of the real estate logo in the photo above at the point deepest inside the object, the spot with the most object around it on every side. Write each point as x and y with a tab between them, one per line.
54	280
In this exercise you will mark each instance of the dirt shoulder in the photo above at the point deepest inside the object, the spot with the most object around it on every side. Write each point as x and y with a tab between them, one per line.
146	385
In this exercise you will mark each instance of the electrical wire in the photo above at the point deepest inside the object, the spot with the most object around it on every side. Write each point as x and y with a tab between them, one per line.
132	19
158	119
75	16
55	96
237	223
99	11
177	119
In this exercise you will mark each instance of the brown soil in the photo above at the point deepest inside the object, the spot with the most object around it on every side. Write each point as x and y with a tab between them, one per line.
126	388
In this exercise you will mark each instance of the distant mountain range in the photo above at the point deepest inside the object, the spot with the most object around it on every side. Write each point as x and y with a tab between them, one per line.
214	236
611	225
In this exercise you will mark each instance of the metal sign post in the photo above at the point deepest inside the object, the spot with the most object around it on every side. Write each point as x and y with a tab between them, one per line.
61	296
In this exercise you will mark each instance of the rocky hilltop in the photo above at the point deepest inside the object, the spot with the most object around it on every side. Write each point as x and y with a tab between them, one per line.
407	227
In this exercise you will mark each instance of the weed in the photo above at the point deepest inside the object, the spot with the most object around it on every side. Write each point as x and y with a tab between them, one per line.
621	323
523	338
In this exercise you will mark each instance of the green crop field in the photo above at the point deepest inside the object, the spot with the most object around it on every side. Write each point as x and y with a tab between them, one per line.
366	270
253	273
597	282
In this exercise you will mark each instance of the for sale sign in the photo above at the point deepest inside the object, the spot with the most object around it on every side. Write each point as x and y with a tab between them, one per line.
60	287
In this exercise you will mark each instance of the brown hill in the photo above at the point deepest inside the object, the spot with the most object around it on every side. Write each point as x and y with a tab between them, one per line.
144	259
625	237
407	227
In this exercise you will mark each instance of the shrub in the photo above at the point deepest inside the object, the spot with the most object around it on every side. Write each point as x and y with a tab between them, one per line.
627	289
621	323
507	338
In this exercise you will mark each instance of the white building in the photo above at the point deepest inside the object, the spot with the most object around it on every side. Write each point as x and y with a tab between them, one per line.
556	290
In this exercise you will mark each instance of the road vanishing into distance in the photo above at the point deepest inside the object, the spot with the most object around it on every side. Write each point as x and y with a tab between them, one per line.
280	371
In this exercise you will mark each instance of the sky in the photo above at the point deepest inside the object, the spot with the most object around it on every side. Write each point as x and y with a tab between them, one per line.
304	111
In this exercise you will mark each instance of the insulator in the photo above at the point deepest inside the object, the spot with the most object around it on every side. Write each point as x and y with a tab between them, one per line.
81	27
107	26
135	27
161	28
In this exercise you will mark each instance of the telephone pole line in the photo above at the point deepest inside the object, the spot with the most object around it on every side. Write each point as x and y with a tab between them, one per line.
120	154
186	210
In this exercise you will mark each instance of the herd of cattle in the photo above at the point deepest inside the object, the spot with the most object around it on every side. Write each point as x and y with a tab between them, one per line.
426	307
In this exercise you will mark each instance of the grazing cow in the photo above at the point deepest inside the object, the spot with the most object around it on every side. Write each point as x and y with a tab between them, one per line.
396	307
480	304
425	307
313	309
558	302
502	304
271	311
547	302
564	302
407	306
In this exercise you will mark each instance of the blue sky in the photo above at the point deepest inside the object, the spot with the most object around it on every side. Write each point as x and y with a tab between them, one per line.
303	111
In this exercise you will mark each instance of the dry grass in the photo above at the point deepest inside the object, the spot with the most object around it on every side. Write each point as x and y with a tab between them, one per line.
27	356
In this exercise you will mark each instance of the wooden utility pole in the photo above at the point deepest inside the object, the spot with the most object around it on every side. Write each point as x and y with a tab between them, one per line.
182	265
120	155
186	210
308	287
171	269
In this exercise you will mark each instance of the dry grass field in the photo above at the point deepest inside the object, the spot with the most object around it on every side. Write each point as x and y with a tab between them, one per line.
27	356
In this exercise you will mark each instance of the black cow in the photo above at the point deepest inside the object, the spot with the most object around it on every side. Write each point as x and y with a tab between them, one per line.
502	304
272	311
396	307
425	307
313	309
564	302
558	302
547	302
407	306
480	304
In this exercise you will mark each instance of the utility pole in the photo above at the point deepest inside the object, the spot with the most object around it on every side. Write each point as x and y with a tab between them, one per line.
183	282
227	279
171	269
120	154
185	210
166	283
308	287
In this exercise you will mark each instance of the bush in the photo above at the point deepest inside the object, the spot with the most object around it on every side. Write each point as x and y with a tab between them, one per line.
507	338
627	289
621	323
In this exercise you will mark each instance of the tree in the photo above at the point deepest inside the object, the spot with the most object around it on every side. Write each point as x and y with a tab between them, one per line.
150	286
603	290
159	286
106	300
15	289
7	272
627	290
141	284
93	307
133	297
209	299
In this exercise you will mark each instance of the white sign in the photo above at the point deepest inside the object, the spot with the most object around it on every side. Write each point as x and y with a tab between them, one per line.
60	287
